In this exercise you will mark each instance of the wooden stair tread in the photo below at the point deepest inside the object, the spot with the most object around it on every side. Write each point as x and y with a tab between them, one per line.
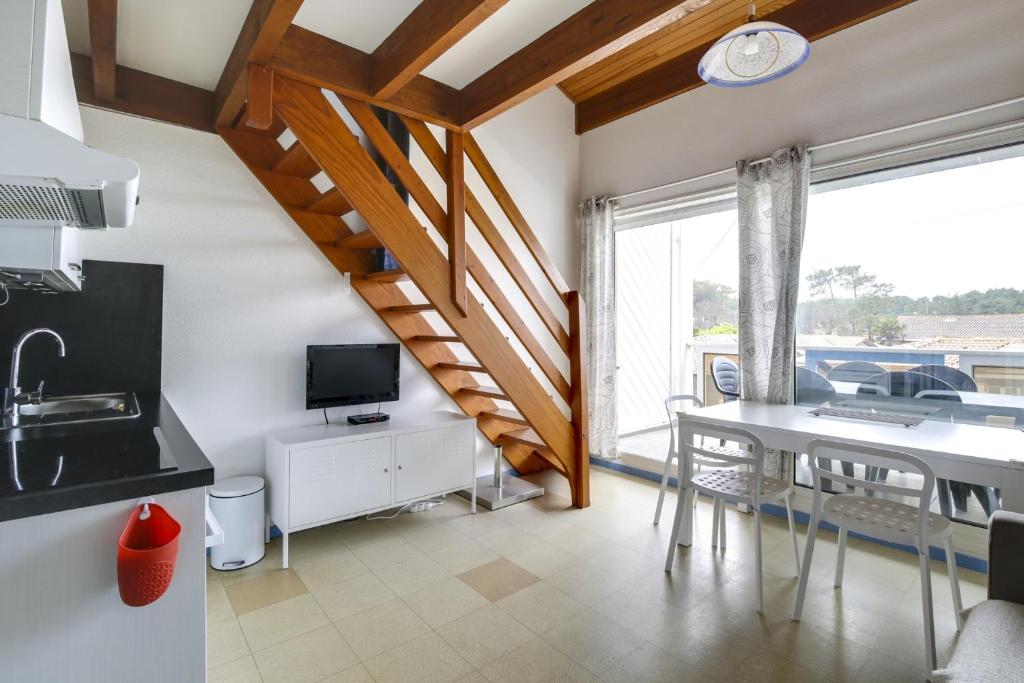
396	275
464	366
359	240
525	436
504	416
331	203
435	338
296	162
408	308
488	392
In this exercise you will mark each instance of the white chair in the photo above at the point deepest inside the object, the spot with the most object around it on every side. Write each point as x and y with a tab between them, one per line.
673	455
880	517
741	485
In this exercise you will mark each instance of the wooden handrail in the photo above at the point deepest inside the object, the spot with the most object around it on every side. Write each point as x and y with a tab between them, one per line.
578	363
456	214
434	152
435	213
514	215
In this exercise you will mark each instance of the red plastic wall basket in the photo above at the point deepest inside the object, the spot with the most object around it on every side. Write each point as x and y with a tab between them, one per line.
146	554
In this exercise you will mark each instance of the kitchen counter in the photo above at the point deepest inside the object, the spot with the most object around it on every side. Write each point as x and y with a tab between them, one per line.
74	466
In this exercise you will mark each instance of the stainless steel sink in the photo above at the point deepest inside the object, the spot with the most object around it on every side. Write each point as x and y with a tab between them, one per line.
62	410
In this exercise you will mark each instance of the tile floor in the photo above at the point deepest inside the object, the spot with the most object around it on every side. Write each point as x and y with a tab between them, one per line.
544	592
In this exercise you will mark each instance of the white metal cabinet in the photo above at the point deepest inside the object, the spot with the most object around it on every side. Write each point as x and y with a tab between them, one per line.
339	479
432	461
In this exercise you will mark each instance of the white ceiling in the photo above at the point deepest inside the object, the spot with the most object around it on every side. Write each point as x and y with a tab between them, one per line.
190	40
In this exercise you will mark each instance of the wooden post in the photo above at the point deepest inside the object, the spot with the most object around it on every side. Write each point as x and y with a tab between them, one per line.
456	217
579	479
259	109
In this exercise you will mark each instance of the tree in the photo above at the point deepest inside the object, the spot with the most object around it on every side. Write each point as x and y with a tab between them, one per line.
821	281
853	278
713	304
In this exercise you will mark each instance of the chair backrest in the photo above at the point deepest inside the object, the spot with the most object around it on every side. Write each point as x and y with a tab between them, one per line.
749	453
813	389
906	384
958	379
854	371
726	376
822	453
671	410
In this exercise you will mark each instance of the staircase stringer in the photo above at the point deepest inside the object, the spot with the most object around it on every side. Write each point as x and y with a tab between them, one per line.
338	152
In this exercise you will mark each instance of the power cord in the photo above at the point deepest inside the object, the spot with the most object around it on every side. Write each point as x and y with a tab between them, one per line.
325	417
414	506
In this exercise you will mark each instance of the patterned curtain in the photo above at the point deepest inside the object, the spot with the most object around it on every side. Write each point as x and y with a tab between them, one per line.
597	288
772	201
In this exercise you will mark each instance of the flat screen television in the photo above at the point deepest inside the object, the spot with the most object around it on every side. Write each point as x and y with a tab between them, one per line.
351	374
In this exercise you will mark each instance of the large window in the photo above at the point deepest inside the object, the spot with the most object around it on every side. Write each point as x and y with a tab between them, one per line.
912	299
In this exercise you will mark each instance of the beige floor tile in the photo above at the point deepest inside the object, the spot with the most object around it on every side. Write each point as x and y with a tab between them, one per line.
479	525
281	621
463	555
508	539
535	662
382	628
312	544
309	657
593	640
239	671
576	540
385	552
484	635
651	664
410	576
880	667
355	532
473	677
588	583
330	570
445	601
641	611
349	597
423	659
542	559
271	562
430	535
762	666
541	607
705	647
498	579
218	607
224	643
263	590
354	674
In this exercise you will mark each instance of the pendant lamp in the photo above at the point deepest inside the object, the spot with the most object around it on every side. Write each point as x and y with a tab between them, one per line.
754	53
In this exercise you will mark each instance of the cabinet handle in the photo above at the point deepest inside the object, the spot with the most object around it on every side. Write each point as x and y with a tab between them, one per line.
399	467
385	469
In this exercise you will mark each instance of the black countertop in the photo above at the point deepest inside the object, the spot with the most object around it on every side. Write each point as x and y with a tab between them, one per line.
74	466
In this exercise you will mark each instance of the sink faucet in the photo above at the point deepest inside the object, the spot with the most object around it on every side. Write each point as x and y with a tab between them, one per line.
12	394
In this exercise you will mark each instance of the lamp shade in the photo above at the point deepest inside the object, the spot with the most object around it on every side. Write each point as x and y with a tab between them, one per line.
757	52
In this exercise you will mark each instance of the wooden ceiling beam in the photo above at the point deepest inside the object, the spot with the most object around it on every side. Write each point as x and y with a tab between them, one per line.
812	18
317	60
429	30
598	30
262	30
103	43
148	96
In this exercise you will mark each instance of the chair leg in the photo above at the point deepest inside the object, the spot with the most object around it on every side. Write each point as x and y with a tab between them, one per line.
686	533
715	517
954	583
805	568
758	560
840	558
664	487
926	607
792	532
945	498
721	527
682	499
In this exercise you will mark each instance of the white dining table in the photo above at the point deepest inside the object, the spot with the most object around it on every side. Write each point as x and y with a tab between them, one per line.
976	454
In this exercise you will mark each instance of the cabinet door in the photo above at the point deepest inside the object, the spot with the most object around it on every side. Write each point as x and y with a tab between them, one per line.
433	461
339	480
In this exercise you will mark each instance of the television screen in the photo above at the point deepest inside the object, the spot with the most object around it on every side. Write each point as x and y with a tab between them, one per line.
351	374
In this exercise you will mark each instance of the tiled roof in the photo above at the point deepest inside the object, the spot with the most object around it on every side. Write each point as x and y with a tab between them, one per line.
975	344
960	326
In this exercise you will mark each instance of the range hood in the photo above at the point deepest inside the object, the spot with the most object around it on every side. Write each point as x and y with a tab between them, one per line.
48	177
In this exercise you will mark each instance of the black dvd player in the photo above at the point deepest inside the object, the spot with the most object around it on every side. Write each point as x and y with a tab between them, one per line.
368	418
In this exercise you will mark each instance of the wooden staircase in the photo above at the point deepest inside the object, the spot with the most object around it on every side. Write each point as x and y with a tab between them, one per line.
538	417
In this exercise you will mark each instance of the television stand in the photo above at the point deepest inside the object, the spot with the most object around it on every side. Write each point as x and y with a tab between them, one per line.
368	418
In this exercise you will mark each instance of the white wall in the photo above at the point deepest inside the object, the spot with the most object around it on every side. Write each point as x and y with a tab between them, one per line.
245	290
929	58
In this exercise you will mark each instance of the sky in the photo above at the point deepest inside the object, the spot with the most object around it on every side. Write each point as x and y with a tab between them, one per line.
939	233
